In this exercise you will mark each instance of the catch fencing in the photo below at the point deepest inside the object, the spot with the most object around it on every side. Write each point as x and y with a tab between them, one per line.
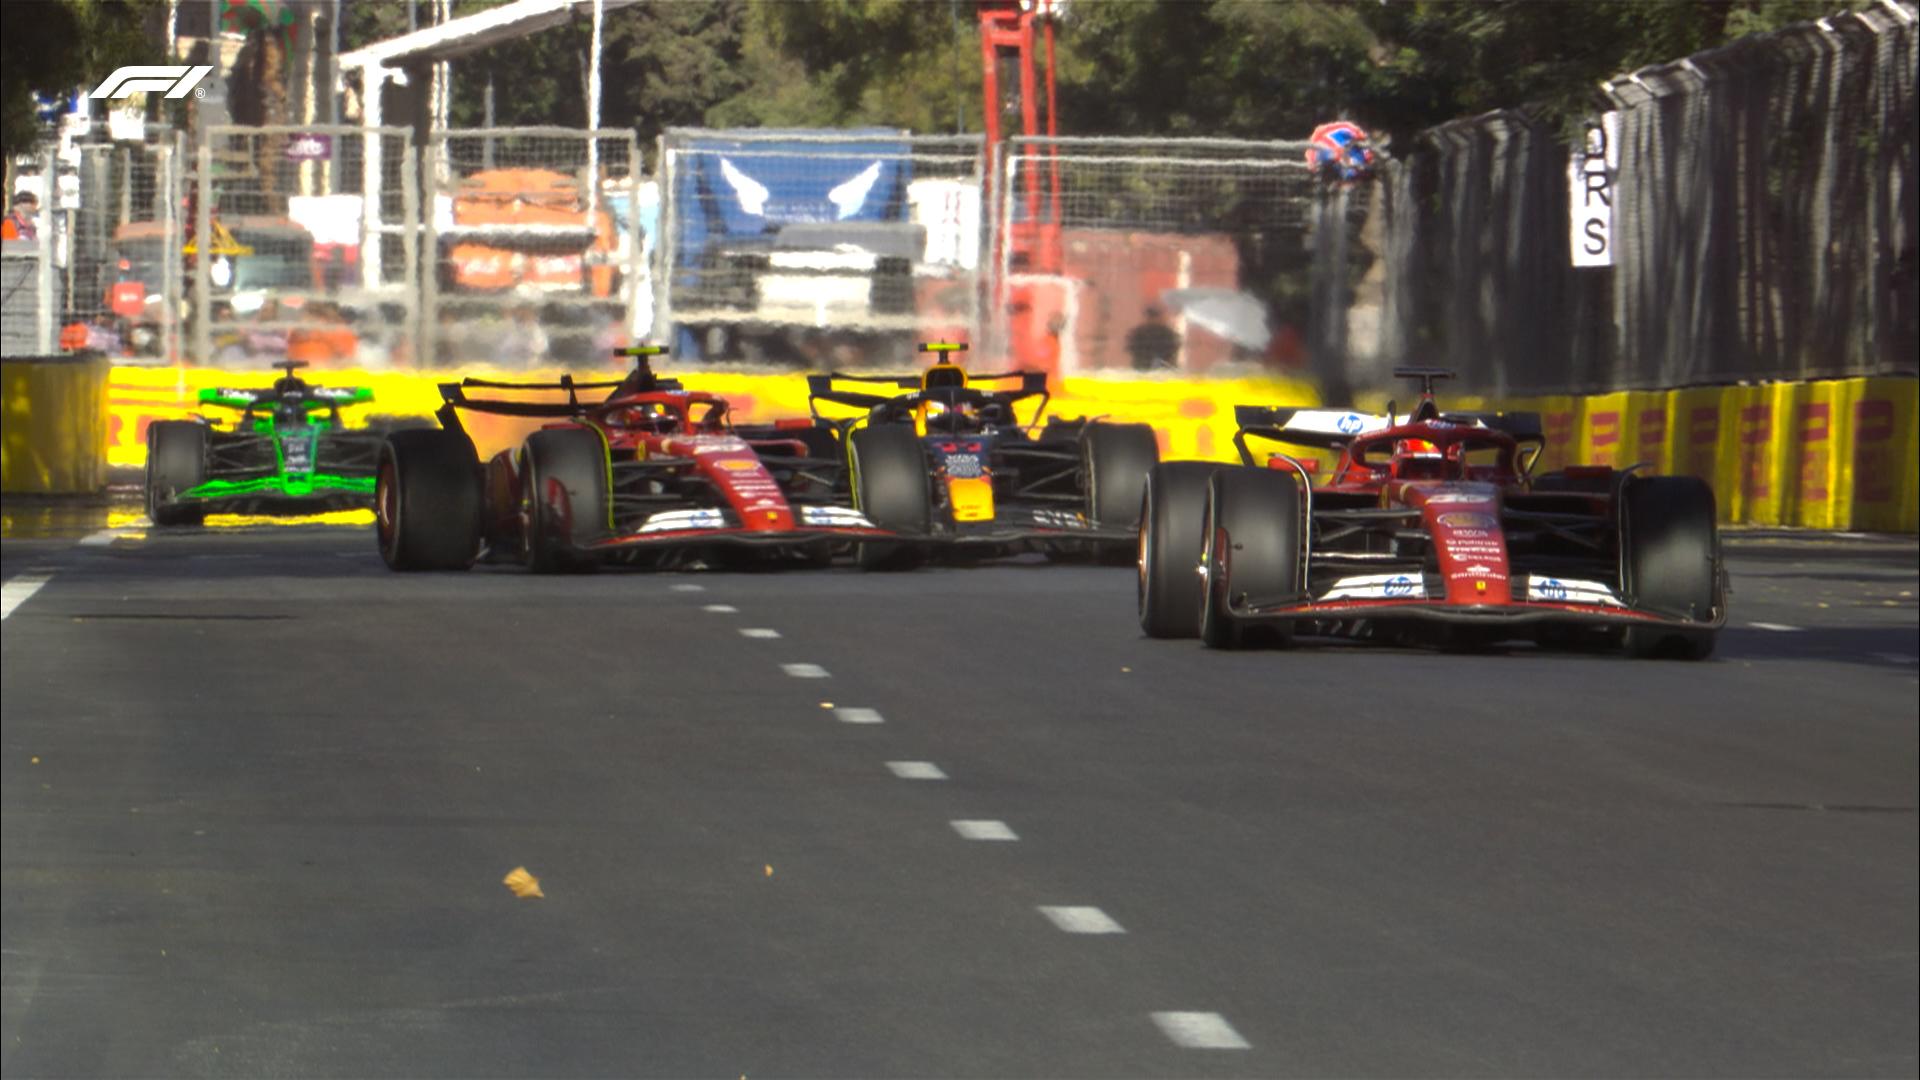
821	250
536	243
1154	254
303	243
1764	225
102	271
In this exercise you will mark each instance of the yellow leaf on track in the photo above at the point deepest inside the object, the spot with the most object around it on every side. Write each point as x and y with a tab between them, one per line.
524	885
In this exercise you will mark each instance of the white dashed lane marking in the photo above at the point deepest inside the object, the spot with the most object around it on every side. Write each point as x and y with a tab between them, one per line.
688	588
858	716
1081	920
722	609
1780	628
759	632
105	537
18	590
1200	1031
983	830
1897	658
915	770
804	671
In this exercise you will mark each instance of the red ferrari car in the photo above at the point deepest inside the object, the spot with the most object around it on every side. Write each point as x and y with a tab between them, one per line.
653	475
1430	527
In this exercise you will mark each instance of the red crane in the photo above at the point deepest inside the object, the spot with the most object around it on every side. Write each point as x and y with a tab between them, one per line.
1008	32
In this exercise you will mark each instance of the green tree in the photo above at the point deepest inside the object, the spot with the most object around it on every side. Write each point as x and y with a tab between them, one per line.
846	63
55	46
1439	61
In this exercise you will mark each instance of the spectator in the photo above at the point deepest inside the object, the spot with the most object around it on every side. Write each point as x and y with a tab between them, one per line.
20	222
1050	349
1153	344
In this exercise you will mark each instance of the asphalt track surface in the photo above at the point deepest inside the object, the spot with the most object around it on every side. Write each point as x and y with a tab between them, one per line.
260	795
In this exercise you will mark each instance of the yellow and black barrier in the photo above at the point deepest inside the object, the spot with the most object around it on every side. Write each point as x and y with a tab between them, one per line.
54	435
1834	454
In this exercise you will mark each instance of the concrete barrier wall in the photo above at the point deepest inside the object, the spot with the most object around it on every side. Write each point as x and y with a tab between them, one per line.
1835	454
53	424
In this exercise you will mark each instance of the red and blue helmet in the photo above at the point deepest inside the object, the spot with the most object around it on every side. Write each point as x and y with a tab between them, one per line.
1339	151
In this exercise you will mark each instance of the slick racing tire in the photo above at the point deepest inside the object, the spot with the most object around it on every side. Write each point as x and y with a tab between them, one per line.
176	462
1173	496
1251	538
564	481
891	487
1117	458
426	501
1672	549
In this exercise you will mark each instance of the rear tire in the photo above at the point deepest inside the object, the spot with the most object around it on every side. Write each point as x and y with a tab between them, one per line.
1672	541
1173	498
564	481
890	483
1252	537
426	501
176	462
1116	458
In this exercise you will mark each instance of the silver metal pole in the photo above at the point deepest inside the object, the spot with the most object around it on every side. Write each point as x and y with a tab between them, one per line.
168	163
373	83
593	115
410	247
43	232
202	260
636	266
663	246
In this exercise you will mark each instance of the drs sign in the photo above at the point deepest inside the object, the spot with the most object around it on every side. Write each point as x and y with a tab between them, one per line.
1592	170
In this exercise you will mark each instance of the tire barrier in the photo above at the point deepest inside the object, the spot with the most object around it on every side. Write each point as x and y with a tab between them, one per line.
53	438
1831	454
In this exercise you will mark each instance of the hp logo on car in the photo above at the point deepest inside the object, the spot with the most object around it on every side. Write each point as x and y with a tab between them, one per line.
1350	424
1553	589
1400	586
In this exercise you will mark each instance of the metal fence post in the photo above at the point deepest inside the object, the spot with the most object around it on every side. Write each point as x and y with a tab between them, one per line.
167	167
664	248
428	354
202	264
413	284
43	280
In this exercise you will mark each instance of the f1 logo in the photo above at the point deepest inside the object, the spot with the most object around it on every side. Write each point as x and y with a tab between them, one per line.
175	80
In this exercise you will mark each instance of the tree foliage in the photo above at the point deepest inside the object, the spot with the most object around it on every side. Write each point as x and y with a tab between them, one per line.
53	46
1253	68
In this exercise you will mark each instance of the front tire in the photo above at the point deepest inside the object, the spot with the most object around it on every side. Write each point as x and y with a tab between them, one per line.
891	487
564	481
426	501
176	462
1173	497
1252	537
1671	536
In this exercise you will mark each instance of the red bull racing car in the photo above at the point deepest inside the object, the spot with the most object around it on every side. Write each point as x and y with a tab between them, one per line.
653	475
949	467
1431	527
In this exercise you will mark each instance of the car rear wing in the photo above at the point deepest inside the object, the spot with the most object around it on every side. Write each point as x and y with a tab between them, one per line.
821	388
1318	429
313	397
454	396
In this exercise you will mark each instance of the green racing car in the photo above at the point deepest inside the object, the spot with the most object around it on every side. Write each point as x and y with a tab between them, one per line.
289	452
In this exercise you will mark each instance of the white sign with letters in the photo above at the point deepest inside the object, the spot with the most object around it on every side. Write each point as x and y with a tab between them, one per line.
1593	171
